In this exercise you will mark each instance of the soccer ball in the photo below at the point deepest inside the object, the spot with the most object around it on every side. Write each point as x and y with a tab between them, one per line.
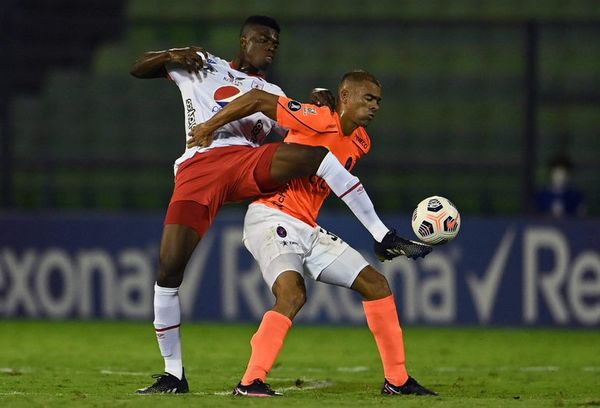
436	220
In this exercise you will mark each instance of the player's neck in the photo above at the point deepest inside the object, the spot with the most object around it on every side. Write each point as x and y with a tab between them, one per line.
243	66
346	124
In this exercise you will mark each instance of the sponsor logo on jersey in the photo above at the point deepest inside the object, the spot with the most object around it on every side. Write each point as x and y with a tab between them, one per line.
225	94
361	142
233	79
294	106
318	184
286	243
190	113
256	129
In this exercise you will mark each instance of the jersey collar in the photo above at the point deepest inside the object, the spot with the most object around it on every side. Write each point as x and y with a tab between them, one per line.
234	66
338	122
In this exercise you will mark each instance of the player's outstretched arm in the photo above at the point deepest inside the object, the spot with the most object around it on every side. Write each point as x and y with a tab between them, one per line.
318	97
152	63
251	102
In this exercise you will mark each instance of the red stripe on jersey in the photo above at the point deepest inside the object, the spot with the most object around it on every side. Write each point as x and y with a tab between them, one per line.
350	189
167	328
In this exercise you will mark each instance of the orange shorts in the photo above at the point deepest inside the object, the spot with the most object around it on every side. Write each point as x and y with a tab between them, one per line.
218	176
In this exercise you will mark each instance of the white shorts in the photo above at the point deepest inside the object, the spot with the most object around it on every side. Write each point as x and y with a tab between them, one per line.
280	242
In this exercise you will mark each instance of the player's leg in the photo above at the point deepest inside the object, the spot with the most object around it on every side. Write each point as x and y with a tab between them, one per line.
382	319
371	284
186	222
290	294
267	342
267	235
177	245
294	160
349	269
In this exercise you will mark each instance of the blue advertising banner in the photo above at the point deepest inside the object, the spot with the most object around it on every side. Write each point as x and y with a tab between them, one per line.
510	271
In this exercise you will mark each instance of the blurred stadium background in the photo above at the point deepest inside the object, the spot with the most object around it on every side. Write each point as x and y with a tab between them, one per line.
483	93
478	97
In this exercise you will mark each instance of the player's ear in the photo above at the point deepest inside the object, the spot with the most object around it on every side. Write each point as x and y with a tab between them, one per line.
344	93
243	42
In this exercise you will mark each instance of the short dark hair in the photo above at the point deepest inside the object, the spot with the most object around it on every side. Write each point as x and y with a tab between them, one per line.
265	21
360	75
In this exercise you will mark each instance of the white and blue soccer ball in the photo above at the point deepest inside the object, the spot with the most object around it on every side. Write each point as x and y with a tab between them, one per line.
436	220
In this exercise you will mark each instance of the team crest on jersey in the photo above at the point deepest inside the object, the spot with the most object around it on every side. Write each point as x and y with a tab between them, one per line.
309	111
225	94
257	84
294	106
281	231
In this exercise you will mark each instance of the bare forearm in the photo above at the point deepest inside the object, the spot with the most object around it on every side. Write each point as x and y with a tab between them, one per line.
247	104
151	65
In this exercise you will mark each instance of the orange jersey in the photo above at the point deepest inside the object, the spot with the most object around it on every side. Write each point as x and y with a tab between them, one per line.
310	125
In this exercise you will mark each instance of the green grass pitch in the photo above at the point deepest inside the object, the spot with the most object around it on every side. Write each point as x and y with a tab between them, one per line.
56	364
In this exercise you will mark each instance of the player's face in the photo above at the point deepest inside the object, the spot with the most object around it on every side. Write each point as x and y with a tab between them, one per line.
259	46
364	100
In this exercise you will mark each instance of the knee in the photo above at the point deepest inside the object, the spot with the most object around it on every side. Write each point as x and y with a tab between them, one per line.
290	302
380	287
170	270
295	300
372	285
298	299
310	157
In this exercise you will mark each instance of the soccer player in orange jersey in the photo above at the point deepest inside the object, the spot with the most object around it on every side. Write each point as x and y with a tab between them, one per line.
282	233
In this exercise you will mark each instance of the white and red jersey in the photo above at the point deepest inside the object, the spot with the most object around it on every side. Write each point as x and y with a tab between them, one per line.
205	93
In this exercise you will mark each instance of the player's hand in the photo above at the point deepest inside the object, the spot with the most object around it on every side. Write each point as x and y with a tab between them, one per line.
392	246
200	136
192	59
322	97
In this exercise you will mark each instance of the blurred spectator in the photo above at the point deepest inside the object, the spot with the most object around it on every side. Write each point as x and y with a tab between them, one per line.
560	198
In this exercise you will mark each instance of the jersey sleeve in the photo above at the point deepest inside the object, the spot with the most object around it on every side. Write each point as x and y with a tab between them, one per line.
177	74
214	60
304	118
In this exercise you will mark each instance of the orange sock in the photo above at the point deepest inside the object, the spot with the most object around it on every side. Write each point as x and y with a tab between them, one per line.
382	318
266	344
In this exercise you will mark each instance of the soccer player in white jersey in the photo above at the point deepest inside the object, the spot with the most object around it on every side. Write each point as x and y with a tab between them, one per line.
234	167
